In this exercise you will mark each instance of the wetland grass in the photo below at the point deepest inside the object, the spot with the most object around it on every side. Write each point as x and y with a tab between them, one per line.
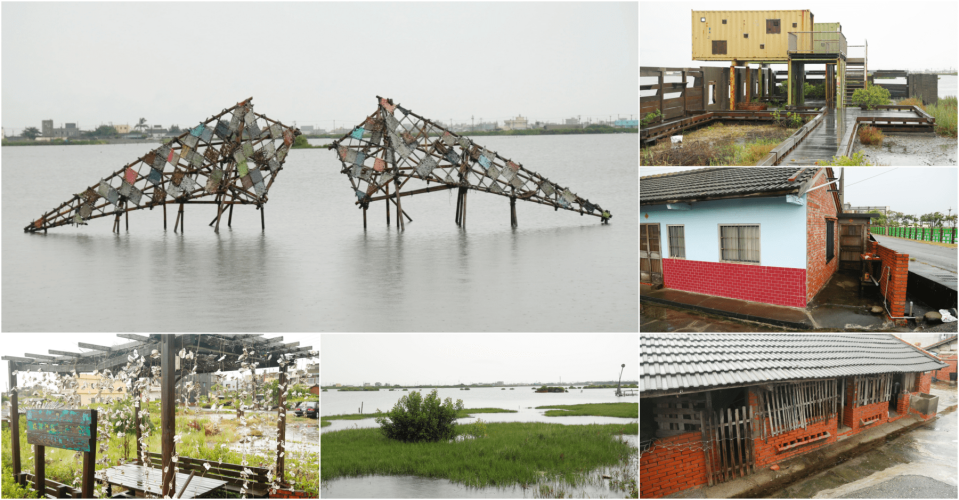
622	410
523	453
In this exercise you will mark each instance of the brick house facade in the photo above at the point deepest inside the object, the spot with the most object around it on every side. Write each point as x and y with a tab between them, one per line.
792	402
751	234
821	207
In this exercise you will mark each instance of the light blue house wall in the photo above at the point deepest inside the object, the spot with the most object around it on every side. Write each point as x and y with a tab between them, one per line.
782	227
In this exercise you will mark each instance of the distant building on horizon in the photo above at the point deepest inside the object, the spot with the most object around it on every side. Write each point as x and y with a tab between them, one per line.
68	130
518	123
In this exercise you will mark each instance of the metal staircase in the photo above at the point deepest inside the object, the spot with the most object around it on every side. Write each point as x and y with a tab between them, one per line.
857	70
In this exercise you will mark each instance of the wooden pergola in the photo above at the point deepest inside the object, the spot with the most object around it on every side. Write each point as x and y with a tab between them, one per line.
213	352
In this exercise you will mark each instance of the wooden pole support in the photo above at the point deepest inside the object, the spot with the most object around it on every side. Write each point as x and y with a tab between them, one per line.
263	217
229	221
164	215
281	436
167	413
512	211
14	417
89	463
364	217
39	474
387	203
126	217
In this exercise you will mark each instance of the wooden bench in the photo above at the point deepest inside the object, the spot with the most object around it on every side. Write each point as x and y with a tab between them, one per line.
52	489
258	488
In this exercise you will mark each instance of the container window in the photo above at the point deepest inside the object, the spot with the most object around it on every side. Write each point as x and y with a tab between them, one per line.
702	19
762	46
745	35
712	93
794	25
724	21
719	46
772	26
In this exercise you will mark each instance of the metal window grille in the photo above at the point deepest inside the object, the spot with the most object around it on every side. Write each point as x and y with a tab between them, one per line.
872	389
678	415
677	242
796	405
739	243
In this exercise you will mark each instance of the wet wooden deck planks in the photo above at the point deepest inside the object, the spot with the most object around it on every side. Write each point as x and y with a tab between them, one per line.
824	142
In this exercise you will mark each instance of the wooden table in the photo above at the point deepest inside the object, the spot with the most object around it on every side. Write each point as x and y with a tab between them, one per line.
136	477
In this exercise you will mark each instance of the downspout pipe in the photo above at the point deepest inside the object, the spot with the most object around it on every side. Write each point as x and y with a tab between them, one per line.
884	298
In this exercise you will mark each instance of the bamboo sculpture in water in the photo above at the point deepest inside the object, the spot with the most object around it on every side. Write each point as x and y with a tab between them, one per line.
395	145
228	159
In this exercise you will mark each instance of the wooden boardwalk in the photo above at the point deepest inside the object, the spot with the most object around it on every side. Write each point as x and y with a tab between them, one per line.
833	135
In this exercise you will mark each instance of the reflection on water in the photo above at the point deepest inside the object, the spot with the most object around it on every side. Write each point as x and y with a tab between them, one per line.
315	268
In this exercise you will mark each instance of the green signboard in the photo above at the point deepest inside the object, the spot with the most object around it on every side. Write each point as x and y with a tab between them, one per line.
66	429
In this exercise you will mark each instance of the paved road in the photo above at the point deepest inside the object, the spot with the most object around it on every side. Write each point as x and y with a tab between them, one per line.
935	255
907	487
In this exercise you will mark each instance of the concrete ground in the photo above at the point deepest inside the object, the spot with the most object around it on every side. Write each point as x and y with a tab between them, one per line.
942	257
919	464
655	318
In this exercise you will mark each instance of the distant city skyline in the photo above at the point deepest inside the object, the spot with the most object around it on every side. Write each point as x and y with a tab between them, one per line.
332	124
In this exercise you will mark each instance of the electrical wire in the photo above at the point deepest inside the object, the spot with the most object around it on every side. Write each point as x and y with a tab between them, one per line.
867	178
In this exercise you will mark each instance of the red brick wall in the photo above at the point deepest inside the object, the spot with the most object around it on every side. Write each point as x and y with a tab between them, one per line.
782	286
892	283
943	374
768	454
925	382
819	205
672	464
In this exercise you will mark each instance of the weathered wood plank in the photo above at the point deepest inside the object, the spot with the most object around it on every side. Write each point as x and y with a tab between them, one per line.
65	429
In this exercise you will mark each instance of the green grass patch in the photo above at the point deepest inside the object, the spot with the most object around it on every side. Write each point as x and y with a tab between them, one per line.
63	464
857	160
622	410
325	424
521	453
944	111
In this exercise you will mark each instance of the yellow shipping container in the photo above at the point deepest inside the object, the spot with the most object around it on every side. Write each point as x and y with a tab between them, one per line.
746	35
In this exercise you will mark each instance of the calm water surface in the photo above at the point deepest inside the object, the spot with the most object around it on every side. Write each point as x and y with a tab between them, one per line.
523	400
315	268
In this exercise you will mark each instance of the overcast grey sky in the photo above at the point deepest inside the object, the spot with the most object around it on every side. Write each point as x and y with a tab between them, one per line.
312	63
39	343
910	190
449	359
666	30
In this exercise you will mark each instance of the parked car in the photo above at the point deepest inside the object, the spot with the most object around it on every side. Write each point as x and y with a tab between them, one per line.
298	409
310	408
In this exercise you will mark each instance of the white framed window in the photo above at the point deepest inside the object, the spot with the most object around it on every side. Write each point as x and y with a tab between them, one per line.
677	241
739	243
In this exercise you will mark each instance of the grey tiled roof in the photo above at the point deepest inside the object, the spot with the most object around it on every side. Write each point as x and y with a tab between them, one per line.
941	342
677	361
713	182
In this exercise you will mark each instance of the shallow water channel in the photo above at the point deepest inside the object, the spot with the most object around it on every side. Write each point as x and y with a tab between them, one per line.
521	399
